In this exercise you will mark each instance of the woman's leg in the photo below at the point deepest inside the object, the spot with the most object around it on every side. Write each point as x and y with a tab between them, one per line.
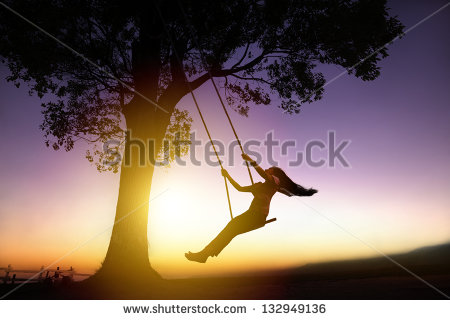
243	223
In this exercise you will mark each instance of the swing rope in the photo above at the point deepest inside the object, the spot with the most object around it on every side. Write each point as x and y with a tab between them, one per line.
229	120
180	62
205	66
209	136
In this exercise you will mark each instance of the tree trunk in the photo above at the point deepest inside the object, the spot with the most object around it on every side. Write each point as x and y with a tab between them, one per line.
128	247
127	255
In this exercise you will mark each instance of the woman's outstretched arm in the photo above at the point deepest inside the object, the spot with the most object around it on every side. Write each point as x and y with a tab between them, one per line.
235	184
258	169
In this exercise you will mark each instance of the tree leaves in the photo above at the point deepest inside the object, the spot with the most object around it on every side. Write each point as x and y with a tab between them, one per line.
263	51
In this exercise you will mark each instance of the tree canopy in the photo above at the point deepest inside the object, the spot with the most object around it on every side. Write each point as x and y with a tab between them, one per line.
262	51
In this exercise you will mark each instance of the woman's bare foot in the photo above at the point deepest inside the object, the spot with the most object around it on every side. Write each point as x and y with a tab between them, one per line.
197	257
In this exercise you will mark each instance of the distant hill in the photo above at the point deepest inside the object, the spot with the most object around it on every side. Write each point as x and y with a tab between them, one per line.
425	260
371	278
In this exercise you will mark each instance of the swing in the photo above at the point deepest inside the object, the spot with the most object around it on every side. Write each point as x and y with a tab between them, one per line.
180	62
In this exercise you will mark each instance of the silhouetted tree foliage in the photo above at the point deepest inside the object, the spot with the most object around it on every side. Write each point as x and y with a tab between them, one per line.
263	51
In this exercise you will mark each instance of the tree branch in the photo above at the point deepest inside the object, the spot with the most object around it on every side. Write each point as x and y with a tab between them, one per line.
243	56
251	78
225	72
177	56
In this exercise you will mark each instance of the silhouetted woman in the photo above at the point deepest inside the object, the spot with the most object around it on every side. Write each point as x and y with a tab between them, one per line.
255	217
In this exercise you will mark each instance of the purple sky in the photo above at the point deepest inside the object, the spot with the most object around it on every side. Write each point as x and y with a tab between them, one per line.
395	194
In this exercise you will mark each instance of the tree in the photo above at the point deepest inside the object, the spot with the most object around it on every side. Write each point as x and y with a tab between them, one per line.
260	50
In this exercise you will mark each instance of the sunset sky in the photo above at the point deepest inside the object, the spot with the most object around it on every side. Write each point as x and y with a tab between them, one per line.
394	196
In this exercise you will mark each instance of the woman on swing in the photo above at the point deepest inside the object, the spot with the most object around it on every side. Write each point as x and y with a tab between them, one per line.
255	217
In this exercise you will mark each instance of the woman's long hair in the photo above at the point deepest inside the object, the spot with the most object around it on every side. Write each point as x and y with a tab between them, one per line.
289	187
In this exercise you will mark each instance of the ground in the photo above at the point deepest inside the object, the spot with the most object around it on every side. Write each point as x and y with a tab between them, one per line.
373	278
